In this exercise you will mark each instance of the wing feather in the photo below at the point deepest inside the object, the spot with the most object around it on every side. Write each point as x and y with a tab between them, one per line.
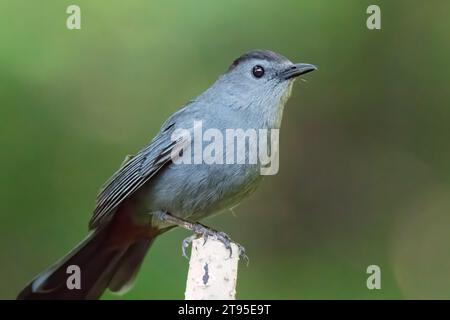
133	174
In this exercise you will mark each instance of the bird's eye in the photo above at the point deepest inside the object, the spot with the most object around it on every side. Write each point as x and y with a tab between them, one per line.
258	71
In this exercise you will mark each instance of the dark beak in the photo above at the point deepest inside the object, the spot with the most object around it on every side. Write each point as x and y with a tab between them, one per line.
297	70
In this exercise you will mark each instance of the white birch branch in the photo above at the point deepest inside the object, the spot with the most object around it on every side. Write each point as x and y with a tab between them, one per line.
212	272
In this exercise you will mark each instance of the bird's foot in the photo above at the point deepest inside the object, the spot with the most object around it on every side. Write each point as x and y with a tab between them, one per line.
201	230
205	232
186	243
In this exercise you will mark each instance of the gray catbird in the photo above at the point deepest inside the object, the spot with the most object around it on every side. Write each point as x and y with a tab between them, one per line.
151	194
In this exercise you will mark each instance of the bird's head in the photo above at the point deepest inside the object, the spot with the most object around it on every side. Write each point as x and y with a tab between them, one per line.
260	80
262	72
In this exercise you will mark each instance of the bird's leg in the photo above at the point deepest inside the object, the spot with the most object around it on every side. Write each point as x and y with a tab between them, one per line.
200	230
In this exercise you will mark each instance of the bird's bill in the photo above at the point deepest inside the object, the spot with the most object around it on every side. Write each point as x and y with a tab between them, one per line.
298	70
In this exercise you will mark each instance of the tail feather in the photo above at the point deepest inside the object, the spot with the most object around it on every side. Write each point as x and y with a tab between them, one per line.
97	263
128	266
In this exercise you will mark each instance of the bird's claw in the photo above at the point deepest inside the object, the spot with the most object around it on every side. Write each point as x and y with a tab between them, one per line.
186	242
222	237
242	254
226	240
219	235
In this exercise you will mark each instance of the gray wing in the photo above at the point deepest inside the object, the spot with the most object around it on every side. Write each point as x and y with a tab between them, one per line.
133	174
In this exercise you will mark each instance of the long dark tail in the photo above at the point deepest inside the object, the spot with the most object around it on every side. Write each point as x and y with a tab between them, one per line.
100	266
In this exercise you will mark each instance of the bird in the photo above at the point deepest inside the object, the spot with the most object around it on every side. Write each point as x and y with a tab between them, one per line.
152	192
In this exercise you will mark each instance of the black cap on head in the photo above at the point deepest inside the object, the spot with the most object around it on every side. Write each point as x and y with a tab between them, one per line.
258	54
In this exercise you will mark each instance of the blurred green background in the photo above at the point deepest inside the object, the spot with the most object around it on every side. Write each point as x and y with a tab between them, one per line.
365	159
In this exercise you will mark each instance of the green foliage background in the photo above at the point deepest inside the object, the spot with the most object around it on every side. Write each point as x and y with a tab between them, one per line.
365	159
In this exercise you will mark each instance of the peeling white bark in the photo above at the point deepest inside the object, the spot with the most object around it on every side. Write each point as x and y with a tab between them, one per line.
212	272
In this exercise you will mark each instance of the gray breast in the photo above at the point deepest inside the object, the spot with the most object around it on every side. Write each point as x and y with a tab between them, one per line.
196	191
